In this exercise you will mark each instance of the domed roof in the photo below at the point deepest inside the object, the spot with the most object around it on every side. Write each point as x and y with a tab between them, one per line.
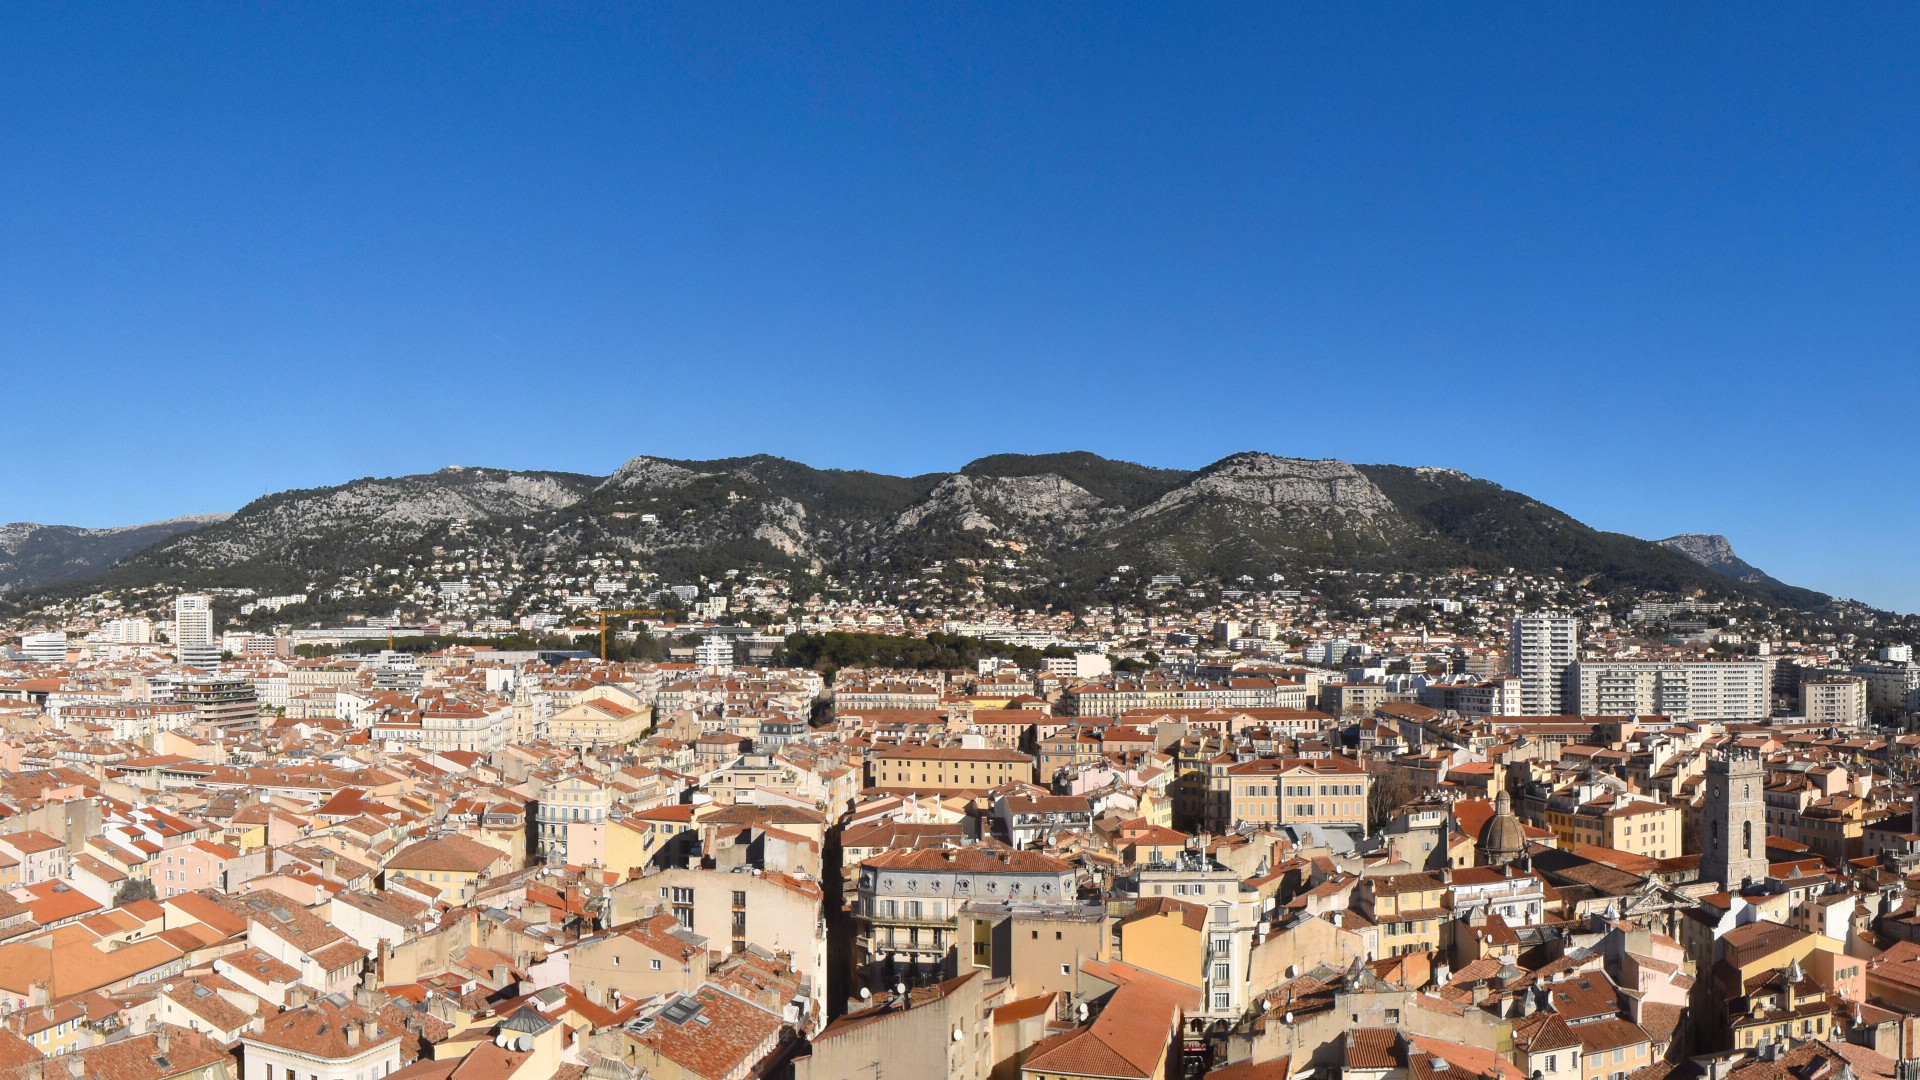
1502	837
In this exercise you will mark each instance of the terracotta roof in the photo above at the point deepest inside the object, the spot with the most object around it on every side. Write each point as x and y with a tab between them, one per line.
979	858
321	1030
715	1039
446	853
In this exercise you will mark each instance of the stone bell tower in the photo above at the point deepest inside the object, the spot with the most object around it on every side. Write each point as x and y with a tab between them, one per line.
1733	847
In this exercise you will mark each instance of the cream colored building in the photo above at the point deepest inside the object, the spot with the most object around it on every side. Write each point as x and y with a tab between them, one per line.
1835	699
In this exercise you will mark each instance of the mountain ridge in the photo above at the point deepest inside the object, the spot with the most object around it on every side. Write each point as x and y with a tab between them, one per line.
34	555
1077	522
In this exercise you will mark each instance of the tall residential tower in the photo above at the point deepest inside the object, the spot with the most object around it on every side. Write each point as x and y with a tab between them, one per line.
1544	647
193	640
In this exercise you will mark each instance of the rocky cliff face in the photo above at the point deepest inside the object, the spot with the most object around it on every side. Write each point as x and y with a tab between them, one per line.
1027	508
1715	552
1283	486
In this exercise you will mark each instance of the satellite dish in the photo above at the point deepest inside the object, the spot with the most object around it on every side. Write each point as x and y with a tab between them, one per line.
866	994
1289	1019
956	1034
1083	1010
900	988
523	1044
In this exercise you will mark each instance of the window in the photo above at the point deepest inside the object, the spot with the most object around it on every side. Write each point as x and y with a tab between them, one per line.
1553	1063
654	964
1222	1002
616	961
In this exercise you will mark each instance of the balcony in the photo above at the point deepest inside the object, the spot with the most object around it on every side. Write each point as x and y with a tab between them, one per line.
867	944
949	923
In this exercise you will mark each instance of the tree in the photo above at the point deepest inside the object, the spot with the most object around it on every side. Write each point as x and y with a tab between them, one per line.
134	889
1389	792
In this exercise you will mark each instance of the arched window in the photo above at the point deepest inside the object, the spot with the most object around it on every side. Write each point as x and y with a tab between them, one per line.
1746	837
1716	834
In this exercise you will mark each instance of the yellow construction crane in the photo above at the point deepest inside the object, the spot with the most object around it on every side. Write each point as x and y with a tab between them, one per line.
603	623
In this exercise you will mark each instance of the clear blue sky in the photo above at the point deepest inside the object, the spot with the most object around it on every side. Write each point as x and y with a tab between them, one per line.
1656	265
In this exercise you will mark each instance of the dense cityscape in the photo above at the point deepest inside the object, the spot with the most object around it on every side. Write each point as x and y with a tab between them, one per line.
539	822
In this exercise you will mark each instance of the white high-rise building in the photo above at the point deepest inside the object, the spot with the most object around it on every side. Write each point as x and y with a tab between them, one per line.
1544	647
193	640
45	646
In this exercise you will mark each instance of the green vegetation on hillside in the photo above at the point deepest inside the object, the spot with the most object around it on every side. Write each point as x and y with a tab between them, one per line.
837	649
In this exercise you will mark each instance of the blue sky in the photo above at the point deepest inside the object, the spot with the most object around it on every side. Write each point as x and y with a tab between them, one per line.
1653	264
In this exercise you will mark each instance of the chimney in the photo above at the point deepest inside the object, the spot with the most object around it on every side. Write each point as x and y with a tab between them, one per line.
76	1066
162	1041
369	1030
353	1036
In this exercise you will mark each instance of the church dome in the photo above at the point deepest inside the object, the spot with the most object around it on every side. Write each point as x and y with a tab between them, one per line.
1502	838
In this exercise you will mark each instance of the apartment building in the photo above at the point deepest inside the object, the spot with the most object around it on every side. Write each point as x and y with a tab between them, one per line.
1232	911
1408	909
1324	792
910	903
1834	699
1683	690
948	768
1153	692
1623	823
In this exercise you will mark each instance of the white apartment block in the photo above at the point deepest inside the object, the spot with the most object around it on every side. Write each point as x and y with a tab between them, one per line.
1889	685
131	631
1544	647
1079	666
1834	699
1684	690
